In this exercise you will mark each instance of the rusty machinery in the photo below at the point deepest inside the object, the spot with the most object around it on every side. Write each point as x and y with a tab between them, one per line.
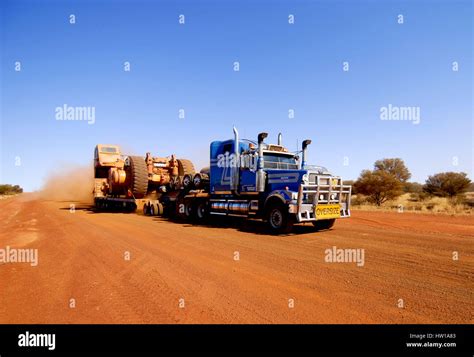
118	177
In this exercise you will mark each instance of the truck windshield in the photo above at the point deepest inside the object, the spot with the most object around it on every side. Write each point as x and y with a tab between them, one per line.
108	150
279	161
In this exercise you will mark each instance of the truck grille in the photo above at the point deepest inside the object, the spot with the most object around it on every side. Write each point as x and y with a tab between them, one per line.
325	189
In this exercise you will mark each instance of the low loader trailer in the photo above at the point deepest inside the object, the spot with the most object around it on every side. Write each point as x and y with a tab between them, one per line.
248	179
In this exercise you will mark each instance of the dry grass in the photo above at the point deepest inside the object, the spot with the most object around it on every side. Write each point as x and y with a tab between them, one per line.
4	197
463	205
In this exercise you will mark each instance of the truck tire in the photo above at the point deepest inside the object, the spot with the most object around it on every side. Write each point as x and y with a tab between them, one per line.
189	212
153	209
185	167
156	209
324	224
146	209
201	211
278	218
139	176
161	209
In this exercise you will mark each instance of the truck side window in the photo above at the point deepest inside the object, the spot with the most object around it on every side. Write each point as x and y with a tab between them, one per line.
227	148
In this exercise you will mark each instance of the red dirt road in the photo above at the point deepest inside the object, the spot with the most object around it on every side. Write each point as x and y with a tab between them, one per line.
81	257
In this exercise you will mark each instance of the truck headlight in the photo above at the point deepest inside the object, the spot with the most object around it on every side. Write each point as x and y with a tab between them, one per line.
305	179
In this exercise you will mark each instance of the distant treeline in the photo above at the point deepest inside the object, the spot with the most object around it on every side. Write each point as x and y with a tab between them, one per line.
10	189
389	179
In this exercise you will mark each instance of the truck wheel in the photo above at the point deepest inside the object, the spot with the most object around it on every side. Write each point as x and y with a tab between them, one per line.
324	224
189	212
139	176
279	219
201	211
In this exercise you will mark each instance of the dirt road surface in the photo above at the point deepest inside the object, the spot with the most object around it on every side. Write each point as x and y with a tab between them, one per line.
181	273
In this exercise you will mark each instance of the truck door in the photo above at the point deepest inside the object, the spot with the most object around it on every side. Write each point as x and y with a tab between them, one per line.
220	166
248	173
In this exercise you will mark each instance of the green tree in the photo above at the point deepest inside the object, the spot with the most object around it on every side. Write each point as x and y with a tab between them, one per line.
447	184
379	186
395	167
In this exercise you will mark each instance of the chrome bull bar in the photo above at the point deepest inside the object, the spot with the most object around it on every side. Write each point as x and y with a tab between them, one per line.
326	190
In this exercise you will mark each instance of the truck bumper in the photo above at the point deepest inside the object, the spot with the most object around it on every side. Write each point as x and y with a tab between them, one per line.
306	211
324	192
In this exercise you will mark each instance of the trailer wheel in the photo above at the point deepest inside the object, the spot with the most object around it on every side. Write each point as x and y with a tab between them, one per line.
139	176
324	224
278	218
146	209
153	209
160	209
132	207
156	209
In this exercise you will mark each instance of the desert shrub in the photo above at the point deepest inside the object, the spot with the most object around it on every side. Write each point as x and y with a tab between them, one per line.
419	196
358	200
10	189
412	187
447	184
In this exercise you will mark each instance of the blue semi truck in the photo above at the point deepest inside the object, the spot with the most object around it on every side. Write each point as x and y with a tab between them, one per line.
253	179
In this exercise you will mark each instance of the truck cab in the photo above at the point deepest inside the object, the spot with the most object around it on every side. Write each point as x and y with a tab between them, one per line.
253	178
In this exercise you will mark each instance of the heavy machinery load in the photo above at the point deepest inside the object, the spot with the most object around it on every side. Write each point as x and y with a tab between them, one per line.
121	180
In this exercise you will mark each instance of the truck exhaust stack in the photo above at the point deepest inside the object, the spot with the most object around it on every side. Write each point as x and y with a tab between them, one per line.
303	156
234	185
260	172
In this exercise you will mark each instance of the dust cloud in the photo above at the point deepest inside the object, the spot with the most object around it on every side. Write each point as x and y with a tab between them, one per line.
70	184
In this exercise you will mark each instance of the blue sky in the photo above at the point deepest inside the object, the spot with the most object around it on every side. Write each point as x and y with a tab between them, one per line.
282	67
